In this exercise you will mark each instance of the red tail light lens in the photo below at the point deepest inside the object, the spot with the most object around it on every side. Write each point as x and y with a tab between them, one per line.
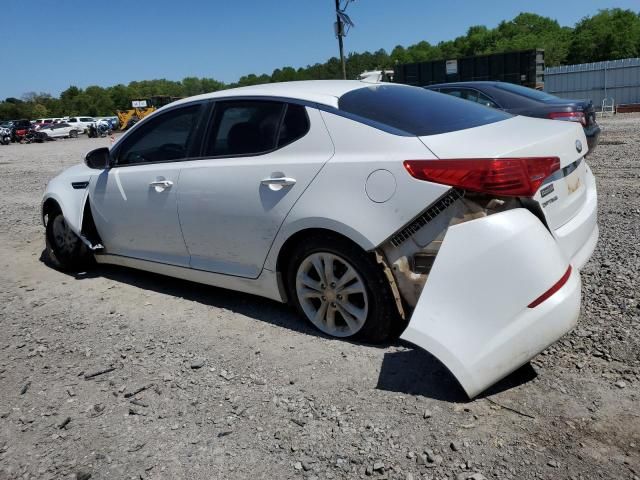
556	286
569	116
509	177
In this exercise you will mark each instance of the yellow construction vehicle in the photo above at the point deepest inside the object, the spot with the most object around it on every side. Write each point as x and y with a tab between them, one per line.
141	108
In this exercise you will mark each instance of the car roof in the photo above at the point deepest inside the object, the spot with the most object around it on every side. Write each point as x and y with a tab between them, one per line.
326	92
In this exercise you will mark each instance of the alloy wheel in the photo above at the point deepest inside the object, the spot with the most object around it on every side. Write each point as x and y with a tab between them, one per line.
332	294
64	239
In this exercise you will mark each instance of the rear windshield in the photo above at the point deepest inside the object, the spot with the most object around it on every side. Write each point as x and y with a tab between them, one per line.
417	111
526	92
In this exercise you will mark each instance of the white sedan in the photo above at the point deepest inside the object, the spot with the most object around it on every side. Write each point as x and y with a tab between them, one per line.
373	209
59	130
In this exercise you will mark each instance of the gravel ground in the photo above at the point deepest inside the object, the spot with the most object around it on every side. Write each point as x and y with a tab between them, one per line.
237	386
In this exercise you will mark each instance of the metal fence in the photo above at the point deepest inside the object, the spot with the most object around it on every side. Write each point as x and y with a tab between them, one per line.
616	79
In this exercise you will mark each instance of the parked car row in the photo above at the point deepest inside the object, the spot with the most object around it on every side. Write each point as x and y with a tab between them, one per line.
43	129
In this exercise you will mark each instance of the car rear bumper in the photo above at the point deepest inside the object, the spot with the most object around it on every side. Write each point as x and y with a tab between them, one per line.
473	312
578	237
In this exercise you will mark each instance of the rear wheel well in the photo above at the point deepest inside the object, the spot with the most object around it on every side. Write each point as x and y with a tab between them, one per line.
389	320
282	264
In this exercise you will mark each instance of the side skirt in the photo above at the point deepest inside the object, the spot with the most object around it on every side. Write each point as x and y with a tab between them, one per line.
266	285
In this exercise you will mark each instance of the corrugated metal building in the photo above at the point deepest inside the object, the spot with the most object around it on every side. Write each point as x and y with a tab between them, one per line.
616	79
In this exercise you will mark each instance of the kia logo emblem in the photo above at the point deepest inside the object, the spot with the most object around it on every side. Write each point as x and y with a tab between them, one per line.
578	146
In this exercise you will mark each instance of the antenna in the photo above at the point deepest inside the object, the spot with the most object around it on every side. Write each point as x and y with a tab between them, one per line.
342	26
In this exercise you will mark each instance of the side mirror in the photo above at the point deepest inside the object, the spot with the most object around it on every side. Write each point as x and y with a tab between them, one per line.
99	159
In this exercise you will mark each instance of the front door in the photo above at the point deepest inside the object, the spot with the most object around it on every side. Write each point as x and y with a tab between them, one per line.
134	204
260	157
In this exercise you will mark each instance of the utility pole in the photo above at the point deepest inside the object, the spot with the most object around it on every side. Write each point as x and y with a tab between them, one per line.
340	33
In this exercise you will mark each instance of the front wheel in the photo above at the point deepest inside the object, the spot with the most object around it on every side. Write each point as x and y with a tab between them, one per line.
341	290
65	250
73	134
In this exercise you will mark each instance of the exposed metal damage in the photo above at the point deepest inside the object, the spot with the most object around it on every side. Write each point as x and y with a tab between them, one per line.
411	252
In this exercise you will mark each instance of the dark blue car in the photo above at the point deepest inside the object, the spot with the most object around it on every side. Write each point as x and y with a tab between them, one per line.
528	102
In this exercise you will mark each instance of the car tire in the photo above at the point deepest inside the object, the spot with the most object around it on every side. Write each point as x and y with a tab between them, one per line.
73	134
363	307
64	249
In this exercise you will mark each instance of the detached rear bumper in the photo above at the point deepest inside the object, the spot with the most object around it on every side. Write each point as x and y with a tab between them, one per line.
472	313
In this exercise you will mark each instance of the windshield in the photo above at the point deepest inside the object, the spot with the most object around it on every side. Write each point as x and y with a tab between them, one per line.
526	92
415	110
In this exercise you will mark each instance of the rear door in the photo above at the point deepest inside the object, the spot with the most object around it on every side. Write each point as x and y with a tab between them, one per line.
259	156
134	204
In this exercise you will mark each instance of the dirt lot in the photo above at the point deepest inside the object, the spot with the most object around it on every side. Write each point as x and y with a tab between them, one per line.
239	387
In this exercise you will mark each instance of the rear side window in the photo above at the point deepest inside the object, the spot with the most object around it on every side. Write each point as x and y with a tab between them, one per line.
244	128
416	111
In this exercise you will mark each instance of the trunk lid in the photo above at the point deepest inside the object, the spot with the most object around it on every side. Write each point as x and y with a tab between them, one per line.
563	194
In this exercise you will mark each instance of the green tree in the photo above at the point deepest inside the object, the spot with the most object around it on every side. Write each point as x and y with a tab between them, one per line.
527	31
609	35
39	111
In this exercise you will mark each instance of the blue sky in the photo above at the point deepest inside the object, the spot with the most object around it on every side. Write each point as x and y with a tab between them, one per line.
52	44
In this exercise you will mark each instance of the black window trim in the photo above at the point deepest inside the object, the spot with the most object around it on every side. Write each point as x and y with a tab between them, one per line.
210	126
205	123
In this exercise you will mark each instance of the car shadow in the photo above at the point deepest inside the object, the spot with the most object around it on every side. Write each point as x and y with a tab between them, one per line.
411	370
253	306
416	372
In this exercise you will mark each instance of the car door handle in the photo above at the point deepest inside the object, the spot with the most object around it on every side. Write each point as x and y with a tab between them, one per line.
161	183
278	181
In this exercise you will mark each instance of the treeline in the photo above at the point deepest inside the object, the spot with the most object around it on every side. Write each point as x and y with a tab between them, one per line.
608	35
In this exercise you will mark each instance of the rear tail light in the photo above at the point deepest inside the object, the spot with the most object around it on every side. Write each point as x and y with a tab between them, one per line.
556	286
508	177
569	116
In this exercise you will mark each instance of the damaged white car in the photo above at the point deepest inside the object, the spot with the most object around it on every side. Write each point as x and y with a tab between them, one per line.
374	209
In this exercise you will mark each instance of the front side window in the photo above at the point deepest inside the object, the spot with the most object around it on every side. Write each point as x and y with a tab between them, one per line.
73	120
414	110
244	128
163	138
87	119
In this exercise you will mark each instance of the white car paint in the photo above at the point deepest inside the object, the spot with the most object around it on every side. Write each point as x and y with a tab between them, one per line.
238	242
478	323
214	223
148	227
81	123
60	130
